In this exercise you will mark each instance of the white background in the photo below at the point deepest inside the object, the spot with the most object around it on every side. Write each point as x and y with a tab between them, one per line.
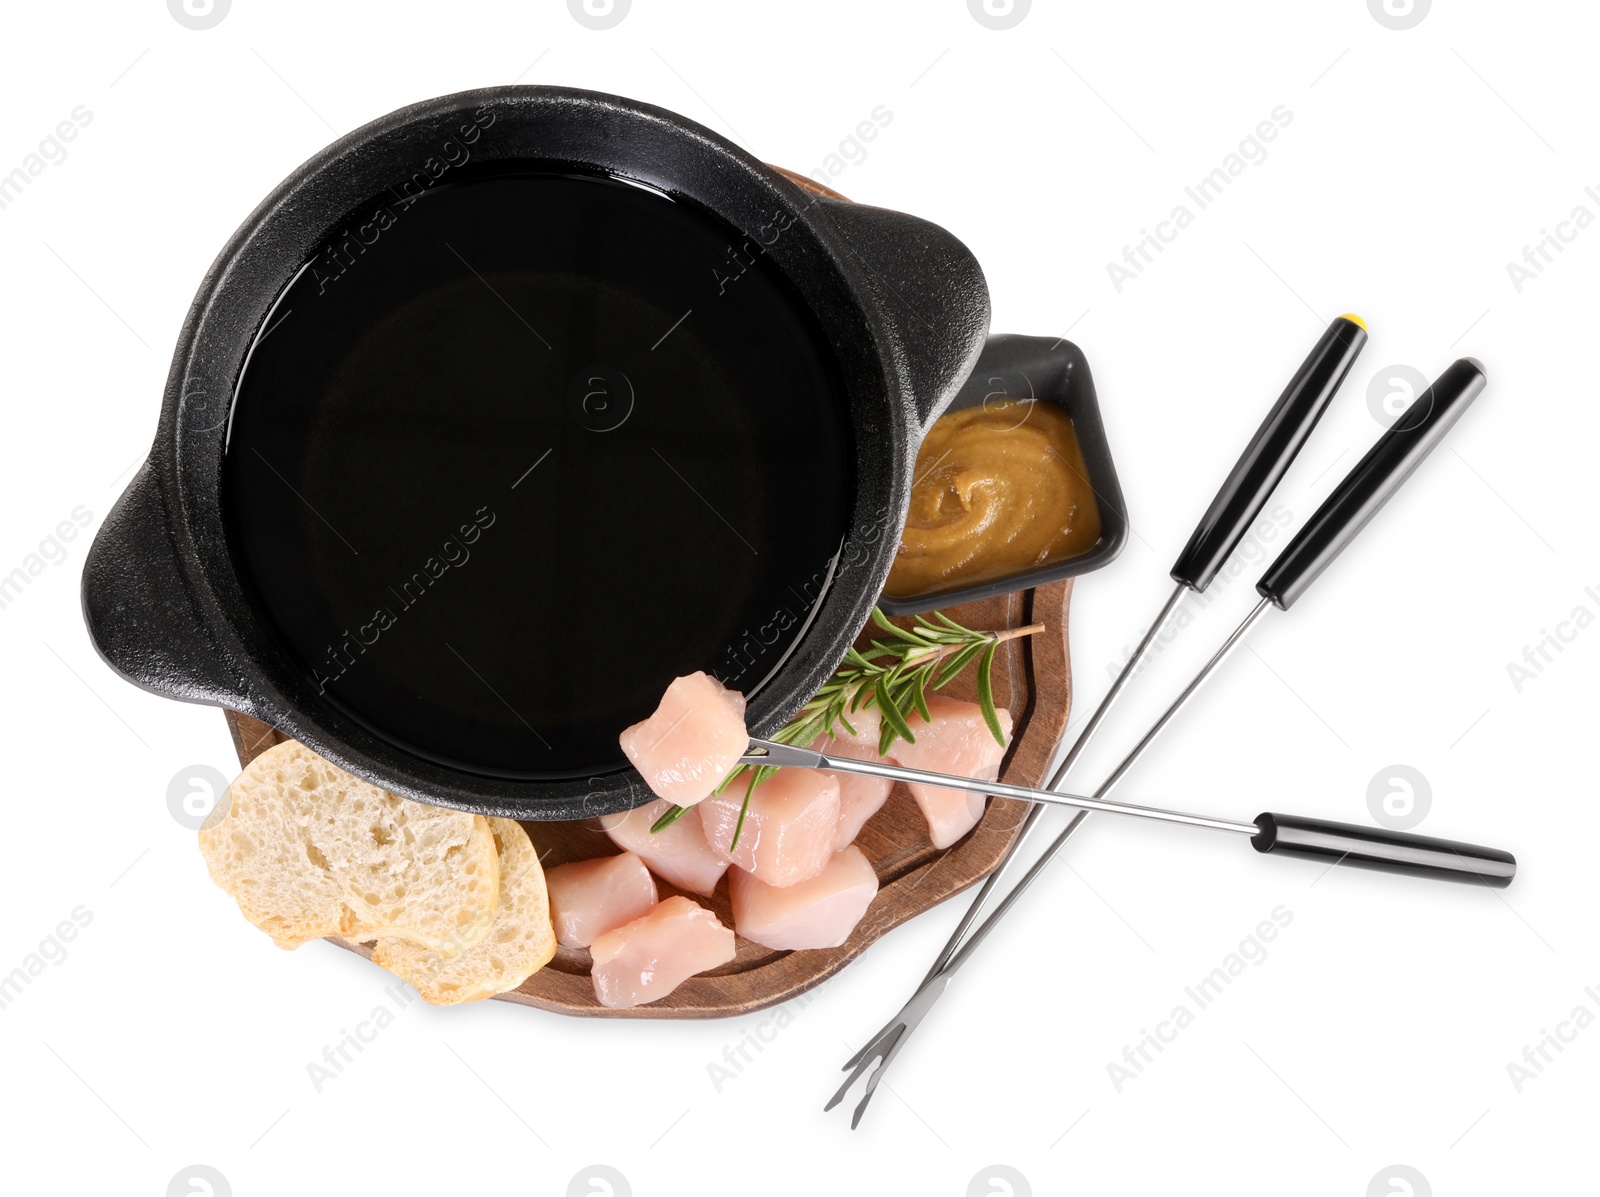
1417	164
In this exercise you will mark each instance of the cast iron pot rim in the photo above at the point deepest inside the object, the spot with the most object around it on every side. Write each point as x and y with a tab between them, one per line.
282	234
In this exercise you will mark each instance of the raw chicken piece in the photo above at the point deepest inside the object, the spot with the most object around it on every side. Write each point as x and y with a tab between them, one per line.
958	741
788	834
678	854
859	797
819	913
688	746
648	958
590	897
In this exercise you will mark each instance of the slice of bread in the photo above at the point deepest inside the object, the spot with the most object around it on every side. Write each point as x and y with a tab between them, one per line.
307	850
520	942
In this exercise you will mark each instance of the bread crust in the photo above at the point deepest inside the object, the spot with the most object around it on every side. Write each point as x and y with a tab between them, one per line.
520	942
308	850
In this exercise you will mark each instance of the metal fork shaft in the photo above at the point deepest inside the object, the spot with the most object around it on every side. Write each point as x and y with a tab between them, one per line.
785	755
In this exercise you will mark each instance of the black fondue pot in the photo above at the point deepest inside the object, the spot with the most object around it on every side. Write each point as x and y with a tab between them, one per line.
507	408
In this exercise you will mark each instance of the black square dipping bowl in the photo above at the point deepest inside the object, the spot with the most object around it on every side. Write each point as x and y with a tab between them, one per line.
1047	370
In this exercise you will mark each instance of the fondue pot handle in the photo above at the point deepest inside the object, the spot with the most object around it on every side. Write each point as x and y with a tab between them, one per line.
1384	851
1270	453
138	606
1372	482
930	293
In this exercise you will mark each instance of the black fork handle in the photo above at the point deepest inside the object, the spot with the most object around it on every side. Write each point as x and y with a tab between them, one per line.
1270	453
1372	482
1385	851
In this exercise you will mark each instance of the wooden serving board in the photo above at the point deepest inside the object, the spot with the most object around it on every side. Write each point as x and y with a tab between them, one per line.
1032	680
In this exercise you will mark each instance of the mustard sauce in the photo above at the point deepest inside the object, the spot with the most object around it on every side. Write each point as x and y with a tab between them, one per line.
1000	488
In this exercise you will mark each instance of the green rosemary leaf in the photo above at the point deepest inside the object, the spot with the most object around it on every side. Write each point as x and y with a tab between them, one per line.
915	634
919	695
893	717
670	816
942	633
986	692
953	625
744	807
882	620
955	663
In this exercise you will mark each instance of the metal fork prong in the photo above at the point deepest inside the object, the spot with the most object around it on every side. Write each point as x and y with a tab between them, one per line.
866	1057
884	1032
916	1010
877	1075
861	1106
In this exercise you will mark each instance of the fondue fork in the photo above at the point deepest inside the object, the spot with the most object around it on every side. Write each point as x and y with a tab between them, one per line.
1335	523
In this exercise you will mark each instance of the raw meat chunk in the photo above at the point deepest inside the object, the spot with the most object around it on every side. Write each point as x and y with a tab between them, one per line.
788	834
687	747
678	854
957	741
859	797
819	913
590	897
648	958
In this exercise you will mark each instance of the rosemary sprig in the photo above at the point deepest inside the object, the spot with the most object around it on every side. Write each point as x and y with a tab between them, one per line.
893	674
